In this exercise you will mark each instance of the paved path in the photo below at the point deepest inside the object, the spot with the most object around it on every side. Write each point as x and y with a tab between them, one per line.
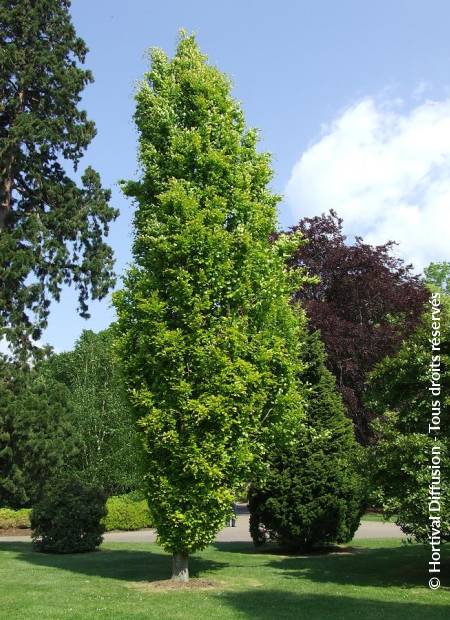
240	533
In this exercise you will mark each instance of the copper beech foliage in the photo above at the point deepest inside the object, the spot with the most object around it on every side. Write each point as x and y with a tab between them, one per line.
366	302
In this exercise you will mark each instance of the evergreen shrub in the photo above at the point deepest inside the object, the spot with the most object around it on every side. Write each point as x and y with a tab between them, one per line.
68	517
314	491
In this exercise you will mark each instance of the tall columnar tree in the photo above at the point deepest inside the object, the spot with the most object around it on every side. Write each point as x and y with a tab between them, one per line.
366	302
314	492
208	342
100	414
51	229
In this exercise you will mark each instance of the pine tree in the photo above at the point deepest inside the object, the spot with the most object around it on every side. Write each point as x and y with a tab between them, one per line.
208	342
51	230
36	437
313	493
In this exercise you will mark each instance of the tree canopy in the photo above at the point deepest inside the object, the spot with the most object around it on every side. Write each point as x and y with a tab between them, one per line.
438	274
366	302
102	425
51	229
399	393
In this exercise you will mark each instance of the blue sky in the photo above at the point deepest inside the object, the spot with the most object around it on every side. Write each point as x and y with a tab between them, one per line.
352	99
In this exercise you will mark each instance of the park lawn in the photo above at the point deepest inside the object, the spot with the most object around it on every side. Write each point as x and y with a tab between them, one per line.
375	516
374	579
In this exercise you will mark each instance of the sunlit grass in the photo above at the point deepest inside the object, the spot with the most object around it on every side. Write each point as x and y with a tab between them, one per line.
369	579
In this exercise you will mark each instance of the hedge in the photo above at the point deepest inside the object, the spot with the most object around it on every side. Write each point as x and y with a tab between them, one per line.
124	512
127	512
14	518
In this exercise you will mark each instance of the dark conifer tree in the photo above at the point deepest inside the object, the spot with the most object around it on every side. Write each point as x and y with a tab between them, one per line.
36	438
313	492
51	229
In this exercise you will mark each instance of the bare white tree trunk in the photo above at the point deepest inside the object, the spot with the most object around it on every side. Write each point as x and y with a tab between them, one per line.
180	568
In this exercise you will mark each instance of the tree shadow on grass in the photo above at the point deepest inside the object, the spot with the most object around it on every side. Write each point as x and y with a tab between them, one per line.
405	567
281	605
273	548
125	564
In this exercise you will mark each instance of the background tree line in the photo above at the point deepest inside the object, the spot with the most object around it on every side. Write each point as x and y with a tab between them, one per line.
68	413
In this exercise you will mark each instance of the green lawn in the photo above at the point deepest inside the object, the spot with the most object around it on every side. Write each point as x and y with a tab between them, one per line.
380	579
375	516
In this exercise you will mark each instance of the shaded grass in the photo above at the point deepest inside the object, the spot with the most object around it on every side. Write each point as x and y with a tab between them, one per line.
373	579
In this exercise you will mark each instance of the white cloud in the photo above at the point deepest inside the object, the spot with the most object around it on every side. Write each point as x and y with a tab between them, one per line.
386	171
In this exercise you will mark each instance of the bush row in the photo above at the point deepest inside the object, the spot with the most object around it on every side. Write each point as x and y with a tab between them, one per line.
14	518
124	512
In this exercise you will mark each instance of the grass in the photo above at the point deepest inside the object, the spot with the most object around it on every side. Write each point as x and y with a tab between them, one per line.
374	579
375	516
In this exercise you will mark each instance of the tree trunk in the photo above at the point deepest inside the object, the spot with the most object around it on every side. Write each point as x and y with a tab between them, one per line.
7	172
180	569
3	214
6	196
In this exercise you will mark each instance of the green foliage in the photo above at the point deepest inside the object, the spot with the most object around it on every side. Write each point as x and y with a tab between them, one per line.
438	274
14	518
124	512
314	491
67	413
127	512
401	477
106	435
68	517
35	432
400	460
207	339
51	230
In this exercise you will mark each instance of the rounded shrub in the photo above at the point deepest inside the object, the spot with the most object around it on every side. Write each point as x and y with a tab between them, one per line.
127	512
68	518
309	498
